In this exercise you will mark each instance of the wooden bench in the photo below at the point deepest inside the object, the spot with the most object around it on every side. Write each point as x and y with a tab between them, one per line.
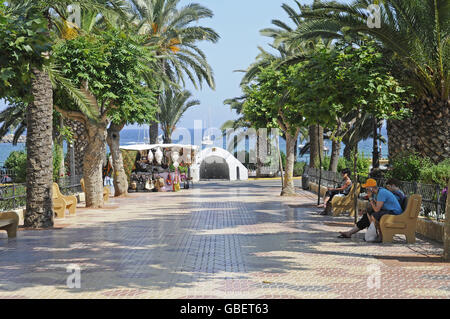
342	204
405	223
9	221
62	202
106	190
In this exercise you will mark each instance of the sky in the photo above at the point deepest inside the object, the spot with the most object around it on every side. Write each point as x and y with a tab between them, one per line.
238	23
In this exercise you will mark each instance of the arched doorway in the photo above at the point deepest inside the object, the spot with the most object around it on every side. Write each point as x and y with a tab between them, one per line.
214	167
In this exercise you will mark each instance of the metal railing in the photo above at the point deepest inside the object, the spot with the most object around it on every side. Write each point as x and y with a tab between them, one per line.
69	185
6	175
433	199
13	196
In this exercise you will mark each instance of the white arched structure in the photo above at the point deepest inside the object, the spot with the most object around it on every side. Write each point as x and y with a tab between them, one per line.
217	163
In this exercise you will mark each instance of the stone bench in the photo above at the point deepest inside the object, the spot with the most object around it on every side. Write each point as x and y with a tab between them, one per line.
9	221
405	223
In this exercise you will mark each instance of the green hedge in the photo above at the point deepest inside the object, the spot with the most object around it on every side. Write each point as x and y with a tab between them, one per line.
17	162
414	167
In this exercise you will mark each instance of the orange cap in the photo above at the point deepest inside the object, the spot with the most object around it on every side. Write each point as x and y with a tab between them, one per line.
370	183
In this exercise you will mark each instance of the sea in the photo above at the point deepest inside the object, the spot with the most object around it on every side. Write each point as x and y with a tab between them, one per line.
191	136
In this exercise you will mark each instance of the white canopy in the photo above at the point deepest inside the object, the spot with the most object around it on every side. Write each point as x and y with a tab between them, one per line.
145	147
217	163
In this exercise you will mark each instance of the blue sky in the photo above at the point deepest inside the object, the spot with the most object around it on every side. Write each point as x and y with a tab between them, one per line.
238	23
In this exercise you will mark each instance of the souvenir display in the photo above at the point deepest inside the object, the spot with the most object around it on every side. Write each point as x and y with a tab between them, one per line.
160	168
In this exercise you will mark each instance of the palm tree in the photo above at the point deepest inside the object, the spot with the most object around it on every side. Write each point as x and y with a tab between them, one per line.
173	105
13	118
293	53
173	32
415	35
39	211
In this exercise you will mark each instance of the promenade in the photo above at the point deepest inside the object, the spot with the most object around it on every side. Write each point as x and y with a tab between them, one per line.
217	240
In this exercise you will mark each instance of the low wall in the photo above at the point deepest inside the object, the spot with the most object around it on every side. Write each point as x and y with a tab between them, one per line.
313	188
427	227
431	229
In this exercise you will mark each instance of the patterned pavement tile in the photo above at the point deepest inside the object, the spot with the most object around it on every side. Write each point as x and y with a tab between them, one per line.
217	240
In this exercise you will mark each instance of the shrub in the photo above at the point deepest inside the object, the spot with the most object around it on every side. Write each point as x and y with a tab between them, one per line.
298	168
57	160
408	166
17	162
436	174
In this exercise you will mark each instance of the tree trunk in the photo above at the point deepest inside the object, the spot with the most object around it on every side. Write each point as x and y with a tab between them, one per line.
314	148
447	226
288	187
335	153
60	148
93	163
168	138
120	177
426	132
375	153
79	142
261	151
153	132
348	151
320	163
39	207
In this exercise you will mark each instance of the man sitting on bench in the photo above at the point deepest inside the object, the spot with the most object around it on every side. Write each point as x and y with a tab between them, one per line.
393	186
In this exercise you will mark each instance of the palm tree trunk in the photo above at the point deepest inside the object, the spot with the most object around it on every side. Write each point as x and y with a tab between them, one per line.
167	139
93	163
447	226
120	177
425	132
39	207
153	132
288	187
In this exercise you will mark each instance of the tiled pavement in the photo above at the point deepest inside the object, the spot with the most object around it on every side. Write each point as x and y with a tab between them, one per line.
218	240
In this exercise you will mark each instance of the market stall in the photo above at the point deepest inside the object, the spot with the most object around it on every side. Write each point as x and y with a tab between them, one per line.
161	167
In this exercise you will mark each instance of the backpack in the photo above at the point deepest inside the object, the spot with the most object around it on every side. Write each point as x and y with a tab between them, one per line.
402	200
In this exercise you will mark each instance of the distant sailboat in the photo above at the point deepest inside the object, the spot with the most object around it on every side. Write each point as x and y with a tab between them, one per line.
207	138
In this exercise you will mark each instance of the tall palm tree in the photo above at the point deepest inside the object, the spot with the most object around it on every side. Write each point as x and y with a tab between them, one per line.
39	211
293	53
13	118
172	30
173	105
415	34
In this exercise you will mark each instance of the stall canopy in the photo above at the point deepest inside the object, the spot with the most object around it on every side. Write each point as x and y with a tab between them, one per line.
146	147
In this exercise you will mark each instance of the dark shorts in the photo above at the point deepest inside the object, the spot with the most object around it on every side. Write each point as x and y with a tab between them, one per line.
381	213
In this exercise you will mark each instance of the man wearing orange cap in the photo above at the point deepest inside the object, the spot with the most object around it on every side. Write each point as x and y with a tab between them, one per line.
385	203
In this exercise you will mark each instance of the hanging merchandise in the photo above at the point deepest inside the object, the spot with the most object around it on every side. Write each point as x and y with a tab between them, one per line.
176	182
175	155
150	156
158	156
149	185
169	180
